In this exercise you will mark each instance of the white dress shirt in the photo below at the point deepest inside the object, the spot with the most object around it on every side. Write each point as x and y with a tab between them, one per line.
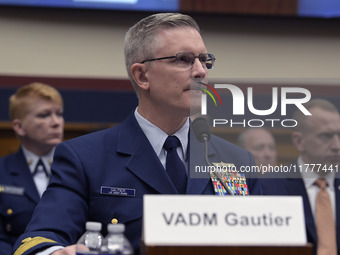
157	137
40	178
41	181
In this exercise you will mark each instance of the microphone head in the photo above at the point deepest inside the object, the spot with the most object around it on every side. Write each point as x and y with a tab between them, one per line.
201	129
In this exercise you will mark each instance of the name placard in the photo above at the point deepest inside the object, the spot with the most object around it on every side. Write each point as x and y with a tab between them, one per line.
228	220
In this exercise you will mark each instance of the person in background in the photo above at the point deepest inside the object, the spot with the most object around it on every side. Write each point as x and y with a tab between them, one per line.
261	143
163	53
36	114
317	138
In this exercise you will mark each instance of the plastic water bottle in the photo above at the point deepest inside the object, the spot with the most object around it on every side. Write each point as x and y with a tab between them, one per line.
90	242
115	243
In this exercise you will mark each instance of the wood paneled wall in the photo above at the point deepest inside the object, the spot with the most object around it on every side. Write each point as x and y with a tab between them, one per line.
255	7
9	143
286	151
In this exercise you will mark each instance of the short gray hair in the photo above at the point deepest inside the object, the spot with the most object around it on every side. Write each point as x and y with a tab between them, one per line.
141	40
315	103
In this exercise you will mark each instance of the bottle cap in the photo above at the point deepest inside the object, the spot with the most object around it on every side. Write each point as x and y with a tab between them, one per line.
116	228
93	226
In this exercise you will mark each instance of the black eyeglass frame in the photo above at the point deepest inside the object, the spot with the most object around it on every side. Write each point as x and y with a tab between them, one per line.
211	57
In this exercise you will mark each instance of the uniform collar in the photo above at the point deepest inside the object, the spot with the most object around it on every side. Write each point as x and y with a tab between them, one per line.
309	177
157	137
32	159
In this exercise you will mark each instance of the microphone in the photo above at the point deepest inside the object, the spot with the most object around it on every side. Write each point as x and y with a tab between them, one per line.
201	129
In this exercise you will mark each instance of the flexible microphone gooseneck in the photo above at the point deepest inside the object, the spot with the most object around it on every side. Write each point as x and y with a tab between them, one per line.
201	129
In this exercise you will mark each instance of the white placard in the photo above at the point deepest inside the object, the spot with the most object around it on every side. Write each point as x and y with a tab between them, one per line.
228	220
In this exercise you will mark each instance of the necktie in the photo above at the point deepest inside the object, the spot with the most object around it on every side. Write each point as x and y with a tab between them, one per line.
40	168
325	224
174	165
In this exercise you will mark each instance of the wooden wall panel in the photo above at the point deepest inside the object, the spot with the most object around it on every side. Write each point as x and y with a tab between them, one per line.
286	151
9	143
256	7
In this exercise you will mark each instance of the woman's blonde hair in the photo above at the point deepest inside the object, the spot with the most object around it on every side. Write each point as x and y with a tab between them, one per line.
19	102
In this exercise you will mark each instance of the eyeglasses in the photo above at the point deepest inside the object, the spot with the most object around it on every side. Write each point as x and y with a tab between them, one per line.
187	59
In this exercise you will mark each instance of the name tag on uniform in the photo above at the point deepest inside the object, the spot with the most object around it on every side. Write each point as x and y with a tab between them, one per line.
12	190
115	191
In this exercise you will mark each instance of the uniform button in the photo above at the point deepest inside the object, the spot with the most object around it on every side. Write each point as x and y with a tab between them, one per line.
9	211
114	221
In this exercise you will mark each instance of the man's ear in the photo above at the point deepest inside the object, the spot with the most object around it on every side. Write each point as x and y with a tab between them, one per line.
139	74
17	127
298	141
